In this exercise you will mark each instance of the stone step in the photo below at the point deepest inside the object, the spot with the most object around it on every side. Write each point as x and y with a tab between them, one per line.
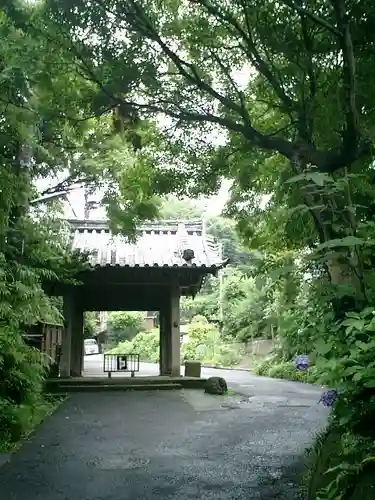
116	380
65	388
52	385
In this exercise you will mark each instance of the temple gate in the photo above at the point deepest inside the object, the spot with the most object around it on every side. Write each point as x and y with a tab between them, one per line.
169	259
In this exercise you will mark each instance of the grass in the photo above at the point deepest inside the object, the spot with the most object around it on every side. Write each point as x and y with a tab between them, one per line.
42	410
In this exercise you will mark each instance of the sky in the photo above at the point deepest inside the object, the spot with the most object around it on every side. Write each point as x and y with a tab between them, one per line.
74	207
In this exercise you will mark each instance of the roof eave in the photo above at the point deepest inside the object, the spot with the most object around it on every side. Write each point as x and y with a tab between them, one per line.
208	269
220	266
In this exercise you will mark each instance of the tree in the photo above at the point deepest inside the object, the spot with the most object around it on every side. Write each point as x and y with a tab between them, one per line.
205	304
124	326
244	307
277	118
181	208
224	231
276	96
33	245
67	134
90	324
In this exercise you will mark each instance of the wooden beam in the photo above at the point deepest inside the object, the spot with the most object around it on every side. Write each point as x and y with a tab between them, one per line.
109	298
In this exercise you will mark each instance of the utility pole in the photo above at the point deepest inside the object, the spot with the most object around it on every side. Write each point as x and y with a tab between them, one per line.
86	215
221	280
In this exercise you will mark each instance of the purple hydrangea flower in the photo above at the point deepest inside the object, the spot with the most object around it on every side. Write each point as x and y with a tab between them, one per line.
328	398
302	362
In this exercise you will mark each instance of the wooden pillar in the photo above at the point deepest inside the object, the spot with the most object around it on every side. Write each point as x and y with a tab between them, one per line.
164	349
70	363
77	344
161	344
81	349
170	363
175	336
66	344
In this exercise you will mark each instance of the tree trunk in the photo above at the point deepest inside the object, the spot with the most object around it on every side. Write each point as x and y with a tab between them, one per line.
346	276
336	220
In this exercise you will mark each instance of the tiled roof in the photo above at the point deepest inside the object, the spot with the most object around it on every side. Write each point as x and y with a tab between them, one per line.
158	244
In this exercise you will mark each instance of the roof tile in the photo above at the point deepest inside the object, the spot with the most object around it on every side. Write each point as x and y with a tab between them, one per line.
158	244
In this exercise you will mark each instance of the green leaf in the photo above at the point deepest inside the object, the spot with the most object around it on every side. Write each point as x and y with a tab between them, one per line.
317	178
352	314
368	460
304	208
347	241
281	271
358	376
322	347
370	327
351	370
351	323
365	346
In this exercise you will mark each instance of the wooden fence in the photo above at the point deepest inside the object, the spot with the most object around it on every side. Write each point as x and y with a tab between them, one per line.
45	337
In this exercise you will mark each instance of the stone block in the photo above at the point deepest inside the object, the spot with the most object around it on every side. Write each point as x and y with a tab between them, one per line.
192	369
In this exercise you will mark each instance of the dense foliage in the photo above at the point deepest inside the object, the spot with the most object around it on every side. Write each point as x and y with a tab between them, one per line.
203	344
22	375
147	98
40	134
145	343
291	85
124	326
271	92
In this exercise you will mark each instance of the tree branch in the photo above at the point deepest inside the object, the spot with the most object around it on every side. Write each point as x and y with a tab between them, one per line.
241	97
68	184
188	115
250	49
352	133
310	15
187	70
325	161
306	120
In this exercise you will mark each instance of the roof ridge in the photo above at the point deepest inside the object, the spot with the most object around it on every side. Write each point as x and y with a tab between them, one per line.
191	224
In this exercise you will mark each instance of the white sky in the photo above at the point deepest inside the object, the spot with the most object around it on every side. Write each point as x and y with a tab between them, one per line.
76	201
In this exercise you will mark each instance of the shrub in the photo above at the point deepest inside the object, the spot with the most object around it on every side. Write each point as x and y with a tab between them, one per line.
124	325
347	365
125	347
224	356
341	465
344	464
199	318
263	367
287	370
204	345
22	375
203	340
146	344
